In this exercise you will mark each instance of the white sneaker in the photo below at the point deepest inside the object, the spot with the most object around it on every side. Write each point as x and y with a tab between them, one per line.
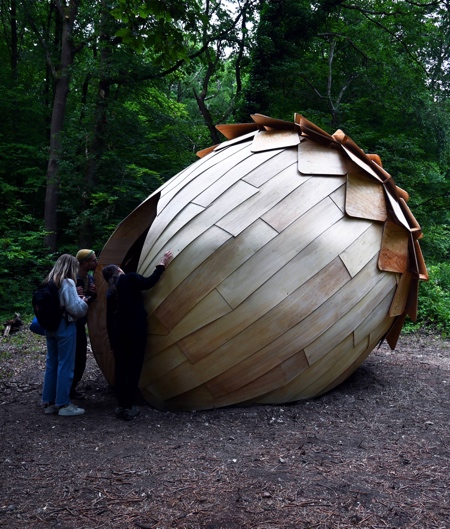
70	410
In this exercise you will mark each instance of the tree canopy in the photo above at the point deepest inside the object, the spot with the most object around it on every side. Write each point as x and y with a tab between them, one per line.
105	101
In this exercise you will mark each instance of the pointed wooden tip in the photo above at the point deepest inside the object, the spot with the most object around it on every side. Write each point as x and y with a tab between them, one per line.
204	152
234	130
375	158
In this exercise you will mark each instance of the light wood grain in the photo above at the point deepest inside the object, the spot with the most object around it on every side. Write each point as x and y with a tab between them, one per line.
126	233
235	141
269	194
328	369
205	165
363	249
353	317
210	308
272	257
181	239
365	197
379	312
270	327
157	365
338	197
197	399
249	166
358	359
194	183
274	139
159	246
296	272
297	203
294	365
234	351
315	159
288	343
195	254
177	302
278	161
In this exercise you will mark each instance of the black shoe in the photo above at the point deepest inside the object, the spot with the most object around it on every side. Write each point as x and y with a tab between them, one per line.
130	413
119	413
74	394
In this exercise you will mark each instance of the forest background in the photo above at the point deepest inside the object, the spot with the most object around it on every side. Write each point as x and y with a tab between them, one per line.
103	101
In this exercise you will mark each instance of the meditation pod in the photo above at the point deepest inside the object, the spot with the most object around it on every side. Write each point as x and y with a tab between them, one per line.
295	254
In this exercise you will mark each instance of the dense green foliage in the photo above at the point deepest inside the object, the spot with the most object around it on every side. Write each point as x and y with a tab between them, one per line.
148	81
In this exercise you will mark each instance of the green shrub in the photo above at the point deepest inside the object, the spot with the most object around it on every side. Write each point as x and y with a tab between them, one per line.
434	301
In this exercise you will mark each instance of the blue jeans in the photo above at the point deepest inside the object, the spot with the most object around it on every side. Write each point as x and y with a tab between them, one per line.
60	363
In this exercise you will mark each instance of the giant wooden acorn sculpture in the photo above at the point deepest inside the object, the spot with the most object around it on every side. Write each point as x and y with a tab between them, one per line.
295	254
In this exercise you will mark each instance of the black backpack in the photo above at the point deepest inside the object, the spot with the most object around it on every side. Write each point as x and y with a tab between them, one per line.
46	306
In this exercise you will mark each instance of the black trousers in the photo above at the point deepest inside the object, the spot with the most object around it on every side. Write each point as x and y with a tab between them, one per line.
129	357
80	354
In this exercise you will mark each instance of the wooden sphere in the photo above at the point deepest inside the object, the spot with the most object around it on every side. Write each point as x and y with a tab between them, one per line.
294	255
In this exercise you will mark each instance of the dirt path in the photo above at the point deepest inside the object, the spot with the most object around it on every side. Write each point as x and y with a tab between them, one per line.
374	453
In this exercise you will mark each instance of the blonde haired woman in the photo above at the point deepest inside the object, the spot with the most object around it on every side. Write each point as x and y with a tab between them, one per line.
61	343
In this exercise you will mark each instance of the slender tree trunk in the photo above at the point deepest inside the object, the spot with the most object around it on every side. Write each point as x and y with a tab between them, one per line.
14	54
97	145
69	13
201	100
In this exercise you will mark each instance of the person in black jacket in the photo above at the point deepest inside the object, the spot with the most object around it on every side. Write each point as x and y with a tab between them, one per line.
126	321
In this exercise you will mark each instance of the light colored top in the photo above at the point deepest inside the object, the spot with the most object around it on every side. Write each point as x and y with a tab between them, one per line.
69	298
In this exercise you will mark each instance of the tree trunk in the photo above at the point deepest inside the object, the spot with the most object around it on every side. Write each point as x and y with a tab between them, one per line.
201	100
69	14
97	145
14	54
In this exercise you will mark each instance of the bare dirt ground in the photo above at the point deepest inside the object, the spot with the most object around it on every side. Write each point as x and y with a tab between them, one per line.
373	453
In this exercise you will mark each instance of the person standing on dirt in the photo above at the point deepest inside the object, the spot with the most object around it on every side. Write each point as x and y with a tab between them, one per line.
85	287
126	321
61	343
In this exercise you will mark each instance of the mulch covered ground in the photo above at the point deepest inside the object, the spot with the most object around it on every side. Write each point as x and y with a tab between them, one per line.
373	453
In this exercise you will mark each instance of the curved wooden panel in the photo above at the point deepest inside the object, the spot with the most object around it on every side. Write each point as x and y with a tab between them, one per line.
122	247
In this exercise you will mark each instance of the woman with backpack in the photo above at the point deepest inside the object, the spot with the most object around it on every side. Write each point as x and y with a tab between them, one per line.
126	321
61	342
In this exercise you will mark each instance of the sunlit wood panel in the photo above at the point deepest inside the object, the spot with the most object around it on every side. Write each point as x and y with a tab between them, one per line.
365	197
274	139
301	200
315	159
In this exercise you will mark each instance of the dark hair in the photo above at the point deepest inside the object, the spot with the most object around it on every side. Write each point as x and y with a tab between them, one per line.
110	275
110	272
